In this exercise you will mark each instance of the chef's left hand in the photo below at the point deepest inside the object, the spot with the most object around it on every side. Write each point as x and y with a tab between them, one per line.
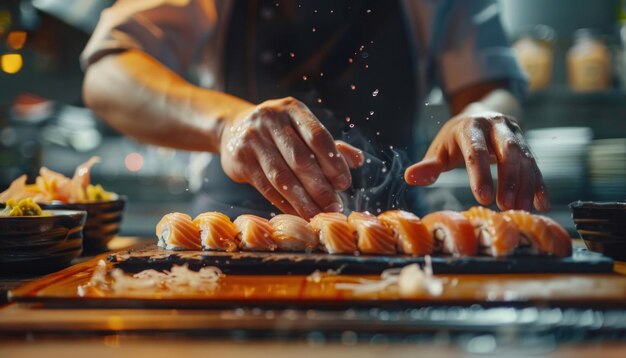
479	140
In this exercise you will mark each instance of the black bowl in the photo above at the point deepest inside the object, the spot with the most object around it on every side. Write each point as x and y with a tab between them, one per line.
103	221
602	226
40	244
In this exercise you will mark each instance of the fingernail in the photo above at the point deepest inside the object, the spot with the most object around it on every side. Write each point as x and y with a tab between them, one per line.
342	181
486	193
337	206
509	199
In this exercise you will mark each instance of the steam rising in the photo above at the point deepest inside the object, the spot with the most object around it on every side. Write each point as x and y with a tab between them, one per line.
379	184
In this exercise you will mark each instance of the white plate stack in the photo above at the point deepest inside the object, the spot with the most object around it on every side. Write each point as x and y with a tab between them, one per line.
561	154
607	169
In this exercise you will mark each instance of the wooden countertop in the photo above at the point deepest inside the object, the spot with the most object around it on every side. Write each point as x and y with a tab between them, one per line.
580	290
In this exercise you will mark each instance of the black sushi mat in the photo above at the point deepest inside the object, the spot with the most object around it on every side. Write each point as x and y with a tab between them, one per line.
272	263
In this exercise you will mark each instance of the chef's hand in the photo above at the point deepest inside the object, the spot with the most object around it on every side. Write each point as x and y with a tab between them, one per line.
281	149
479	140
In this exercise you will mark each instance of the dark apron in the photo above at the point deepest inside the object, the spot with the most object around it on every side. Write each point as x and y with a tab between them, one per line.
352	67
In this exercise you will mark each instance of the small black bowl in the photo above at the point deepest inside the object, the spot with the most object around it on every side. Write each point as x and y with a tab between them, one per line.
103	221
40	244
602	226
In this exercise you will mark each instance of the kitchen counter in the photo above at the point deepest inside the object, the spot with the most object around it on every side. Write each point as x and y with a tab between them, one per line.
245	331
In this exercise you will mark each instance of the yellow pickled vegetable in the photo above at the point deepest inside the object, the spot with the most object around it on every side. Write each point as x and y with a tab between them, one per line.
25	207
97	193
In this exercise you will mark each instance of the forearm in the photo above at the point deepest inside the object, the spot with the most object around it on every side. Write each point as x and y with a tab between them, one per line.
486	97
139	97
500	101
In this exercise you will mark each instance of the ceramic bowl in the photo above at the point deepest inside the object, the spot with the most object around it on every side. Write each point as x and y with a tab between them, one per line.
40	244
602	226
103	221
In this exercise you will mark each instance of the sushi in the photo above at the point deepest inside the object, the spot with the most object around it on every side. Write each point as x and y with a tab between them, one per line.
217	232
176	231
561	240
335	234
496	235
293	233
372	236
453	233
255	233
412	236
535	238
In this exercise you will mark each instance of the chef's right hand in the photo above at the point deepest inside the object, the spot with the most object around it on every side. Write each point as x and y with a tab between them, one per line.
282	149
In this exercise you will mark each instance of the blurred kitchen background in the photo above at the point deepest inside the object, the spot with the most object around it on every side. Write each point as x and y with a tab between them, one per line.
575	116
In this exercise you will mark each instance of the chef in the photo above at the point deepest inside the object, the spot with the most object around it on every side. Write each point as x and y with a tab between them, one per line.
310	106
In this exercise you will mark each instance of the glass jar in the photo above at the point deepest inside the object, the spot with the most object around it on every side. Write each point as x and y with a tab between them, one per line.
535	53
588	63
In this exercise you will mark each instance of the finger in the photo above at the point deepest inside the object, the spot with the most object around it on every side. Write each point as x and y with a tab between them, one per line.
259	181
424	172
475	150
541	198
319	140
302	163
354	156
284	181
526	190
508	155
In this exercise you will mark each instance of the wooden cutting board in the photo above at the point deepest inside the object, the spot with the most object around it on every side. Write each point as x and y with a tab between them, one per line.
323	290
263	263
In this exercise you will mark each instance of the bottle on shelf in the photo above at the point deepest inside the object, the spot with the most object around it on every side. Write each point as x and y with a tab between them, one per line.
535	52
588	63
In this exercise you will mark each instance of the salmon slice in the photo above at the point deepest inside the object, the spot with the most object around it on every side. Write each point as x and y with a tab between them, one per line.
561	240
255	233
217	232
496	235
535	236
293	233
412	236
176	231
372	236
335	234
453	233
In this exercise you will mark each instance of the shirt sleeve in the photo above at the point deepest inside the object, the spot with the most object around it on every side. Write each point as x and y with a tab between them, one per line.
469	46
172	31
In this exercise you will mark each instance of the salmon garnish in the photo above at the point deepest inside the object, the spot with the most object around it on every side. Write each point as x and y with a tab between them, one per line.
372	236
217	232
335	234
412	236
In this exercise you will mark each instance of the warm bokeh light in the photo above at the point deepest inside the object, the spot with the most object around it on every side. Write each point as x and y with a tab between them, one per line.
11	63
133	162
16	39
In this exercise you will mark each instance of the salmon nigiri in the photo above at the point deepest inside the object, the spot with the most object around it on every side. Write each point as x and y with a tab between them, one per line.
453	233
335	234
255	233
176	231
535	236
372	236
561	240
293	233
412	236
217	232
496	235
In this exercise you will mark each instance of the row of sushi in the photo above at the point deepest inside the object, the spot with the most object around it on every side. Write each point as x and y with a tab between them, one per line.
476	231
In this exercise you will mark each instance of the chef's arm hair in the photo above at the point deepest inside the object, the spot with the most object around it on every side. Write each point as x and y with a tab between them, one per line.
485	97
141	98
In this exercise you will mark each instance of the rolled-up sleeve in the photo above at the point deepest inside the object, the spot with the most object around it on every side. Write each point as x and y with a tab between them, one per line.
172	31
470	46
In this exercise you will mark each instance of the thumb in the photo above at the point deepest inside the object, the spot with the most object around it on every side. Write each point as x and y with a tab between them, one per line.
424	172
354	157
